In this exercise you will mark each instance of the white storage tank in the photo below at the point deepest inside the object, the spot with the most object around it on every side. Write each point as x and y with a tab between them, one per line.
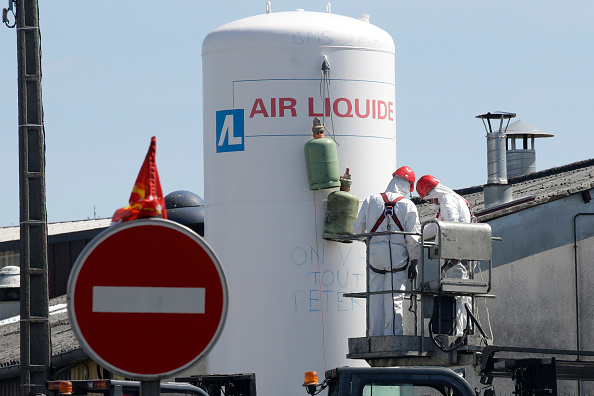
263	85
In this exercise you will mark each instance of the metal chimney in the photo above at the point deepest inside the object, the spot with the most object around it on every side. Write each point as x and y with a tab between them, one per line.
496	191
521	154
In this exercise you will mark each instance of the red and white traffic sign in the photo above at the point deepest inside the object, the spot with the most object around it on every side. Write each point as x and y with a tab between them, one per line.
147	298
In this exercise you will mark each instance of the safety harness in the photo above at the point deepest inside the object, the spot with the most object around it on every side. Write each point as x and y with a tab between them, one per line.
389	212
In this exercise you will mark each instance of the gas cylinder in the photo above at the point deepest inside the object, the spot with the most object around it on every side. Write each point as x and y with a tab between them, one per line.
321	160
341	211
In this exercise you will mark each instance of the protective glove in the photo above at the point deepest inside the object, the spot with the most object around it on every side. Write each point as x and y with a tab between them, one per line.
413	272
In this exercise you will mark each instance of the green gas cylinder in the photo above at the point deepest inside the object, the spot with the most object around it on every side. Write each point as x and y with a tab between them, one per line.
321	160
341	211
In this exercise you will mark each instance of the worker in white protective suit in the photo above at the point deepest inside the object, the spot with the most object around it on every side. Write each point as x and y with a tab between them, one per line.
389	255
450	207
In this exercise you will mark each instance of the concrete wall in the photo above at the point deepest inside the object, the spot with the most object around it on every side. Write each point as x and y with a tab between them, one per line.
534	277
542	278
585	289
535	301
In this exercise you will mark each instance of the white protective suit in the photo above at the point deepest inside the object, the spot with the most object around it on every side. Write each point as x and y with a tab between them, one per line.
452	207
385	310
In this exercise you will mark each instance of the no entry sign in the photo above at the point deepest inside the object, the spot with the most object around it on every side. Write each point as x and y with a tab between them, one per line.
147	298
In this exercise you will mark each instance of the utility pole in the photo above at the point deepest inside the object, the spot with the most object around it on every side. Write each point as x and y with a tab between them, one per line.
35	330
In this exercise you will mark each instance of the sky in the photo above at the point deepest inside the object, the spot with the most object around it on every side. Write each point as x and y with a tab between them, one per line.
117	73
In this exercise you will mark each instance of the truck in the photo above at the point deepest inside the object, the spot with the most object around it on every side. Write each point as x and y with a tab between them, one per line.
531	376
367	381
341	381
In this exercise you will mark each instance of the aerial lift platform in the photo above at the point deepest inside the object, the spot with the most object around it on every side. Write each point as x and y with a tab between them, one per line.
432	296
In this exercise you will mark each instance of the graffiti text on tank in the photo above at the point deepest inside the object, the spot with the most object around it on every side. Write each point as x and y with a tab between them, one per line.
340	107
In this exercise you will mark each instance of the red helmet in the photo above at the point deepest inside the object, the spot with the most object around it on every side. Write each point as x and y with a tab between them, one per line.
425	184
407	173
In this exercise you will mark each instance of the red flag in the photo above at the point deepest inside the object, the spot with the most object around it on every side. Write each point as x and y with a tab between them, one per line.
147	198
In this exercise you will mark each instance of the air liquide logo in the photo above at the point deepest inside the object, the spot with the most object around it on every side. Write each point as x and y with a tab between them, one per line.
230	130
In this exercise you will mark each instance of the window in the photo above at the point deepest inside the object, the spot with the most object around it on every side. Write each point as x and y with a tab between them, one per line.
400	390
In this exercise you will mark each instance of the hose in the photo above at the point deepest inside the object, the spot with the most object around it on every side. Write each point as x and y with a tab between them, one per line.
434	338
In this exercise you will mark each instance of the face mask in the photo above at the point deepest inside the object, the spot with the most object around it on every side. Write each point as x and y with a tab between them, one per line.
433	206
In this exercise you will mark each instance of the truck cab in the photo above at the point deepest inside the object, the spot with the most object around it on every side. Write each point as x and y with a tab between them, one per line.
392	381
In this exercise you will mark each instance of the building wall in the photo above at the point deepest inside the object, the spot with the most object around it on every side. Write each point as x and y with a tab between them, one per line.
9	257
540	228
535	301
536	305
585	275
61	259
534	275
542	277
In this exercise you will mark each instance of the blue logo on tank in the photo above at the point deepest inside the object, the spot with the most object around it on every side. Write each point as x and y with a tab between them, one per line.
230	130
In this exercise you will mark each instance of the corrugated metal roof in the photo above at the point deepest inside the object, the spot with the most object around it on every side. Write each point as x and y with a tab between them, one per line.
546	186
8	234
63	339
